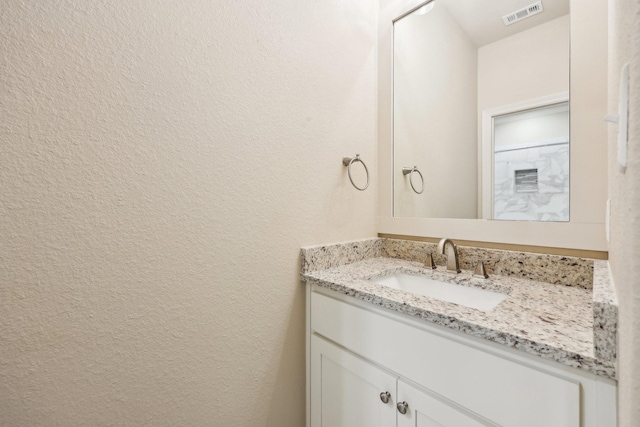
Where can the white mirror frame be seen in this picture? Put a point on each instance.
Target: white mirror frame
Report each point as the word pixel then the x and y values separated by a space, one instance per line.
pixel 588 148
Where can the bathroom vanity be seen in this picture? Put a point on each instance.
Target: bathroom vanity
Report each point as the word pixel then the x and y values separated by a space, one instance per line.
pixel 377 355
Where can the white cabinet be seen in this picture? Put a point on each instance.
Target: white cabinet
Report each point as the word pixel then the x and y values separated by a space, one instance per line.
pixel 357 351
pixel 426 410
pixel 351 392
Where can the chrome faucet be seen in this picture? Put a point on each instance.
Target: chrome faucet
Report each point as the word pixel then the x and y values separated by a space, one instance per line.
pixel 446 246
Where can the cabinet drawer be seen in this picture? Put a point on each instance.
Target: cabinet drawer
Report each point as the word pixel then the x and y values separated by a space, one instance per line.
pixel 498 388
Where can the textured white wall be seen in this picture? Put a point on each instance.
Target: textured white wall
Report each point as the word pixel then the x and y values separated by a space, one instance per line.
pixel 624 190
pixel 161 164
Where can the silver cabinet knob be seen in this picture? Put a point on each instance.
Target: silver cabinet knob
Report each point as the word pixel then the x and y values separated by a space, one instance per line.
pixel 385 396
pixel 403 407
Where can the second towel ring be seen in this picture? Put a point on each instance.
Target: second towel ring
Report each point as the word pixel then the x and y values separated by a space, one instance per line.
pixel 348 161
pixel 410 171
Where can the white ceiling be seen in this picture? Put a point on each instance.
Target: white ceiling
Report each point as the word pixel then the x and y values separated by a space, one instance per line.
pixel 482 19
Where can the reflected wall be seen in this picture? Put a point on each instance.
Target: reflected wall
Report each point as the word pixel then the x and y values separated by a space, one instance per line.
pixel 435 98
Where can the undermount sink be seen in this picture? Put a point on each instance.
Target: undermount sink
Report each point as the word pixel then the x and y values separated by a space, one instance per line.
pixel 480 299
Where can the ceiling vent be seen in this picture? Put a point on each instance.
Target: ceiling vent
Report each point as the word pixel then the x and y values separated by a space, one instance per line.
pixel 523 13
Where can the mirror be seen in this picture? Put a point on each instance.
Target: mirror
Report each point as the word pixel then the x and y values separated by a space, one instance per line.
pixel 481 110
pixel 588 172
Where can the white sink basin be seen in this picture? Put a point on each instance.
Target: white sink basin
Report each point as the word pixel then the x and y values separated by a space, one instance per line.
pixel 480 299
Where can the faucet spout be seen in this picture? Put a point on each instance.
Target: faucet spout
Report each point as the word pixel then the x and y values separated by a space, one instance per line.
pixel 447 247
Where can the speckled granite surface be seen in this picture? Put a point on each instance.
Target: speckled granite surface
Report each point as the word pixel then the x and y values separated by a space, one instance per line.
pixel 605 313
pixel 568 324
pixel 321 257
pixel 561 270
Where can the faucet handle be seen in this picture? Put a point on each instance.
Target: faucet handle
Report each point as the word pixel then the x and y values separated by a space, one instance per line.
pixel 481 267
pixel 428 262
pixel 480 270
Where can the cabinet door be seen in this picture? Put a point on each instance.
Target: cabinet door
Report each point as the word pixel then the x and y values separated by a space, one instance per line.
pixel 346 390
pixel 425 409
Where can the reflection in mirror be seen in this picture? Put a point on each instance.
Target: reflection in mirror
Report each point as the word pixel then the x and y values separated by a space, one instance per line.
pixel 531 164
pixel 454 60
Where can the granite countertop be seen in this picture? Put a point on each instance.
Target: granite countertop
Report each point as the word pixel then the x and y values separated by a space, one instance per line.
pixel 572 325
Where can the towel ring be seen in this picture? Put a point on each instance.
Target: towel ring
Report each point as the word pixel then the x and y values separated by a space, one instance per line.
pixel 348 161
pixel 410 171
